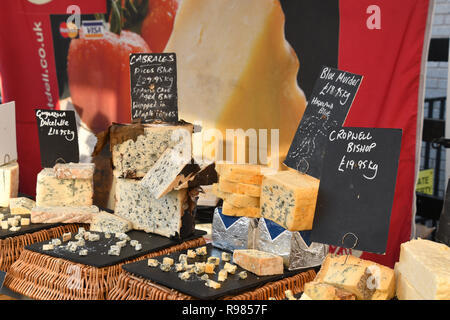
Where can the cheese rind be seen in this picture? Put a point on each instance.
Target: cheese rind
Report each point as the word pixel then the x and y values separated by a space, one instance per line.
pixel 74 170
pixel 258 262
pixel 9 182
pixel 251 190
pixel 230 210
pixel 107 222
pixel 21 205
pixel 289 199
pixel 53 192
pixel 235 199
pixel 81 214
pixel 322 291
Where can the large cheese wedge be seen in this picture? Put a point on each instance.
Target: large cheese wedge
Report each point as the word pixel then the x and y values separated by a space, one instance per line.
pixel 322 291
pixel 251 190
pixel 230 210
pixel 243 173
pixel 259 262
pixel 236 199
pixel 289 199
pixel 9 182
pixel 404 289
pixel 236 71
pixel 426 265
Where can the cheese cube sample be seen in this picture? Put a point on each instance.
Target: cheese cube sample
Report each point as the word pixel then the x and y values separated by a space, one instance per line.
pixel 229 210
pixel 56 214
pixel 168 261
pixel 242 173
pixel 404 289
pixel 322 291
pixel 66 236
pixel 107 222
pixel 209 267
pixel 230 268
pixel 236 199
pixel 74 170
pixel 25 221
pixel 5 225
pixel 259 262
pixel 21 205
pixel 13 222
pixel 14 228
pixel 152 262
pixel 53 192
pixel 251 190
pixel 212 284
pixel 223 274
pixel 9 182
pixel 133 159
pixel 289 199
pixel 201 251
pixel 161 216
pixel 47 247
pixel 426 266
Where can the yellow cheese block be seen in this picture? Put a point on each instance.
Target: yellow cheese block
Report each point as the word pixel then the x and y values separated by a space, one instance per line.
pixel 243 173
pixel 404 289
pixel 229 210
pixel 289 199
pixel 426 265
pixel 235 199
pixel 322 291
pixel 251 190
pixel 238 71
pixel 259 262
pixel 9 182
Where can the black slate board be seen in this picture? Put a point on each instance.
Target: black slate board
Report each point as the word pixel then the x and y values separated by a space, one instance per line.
pixel 98 250
pixel 196 287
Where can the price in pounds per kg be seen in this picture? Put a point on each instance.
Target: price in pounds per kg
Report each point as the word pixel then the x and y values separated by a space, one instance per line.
pixel 350 164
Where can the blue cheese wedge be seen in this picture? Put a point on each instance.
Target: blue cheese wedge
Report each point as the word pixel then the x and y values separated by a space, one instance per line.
pixel 107 222
pixel 21 205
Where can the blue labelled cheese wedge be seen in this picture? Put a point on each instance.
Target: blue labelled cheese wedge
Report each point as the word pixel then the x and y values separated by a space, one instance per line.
pixel 107 222
pixel 214 260
pixel 60 214
pixel 9 182
pixel 53 192
pixel 21 205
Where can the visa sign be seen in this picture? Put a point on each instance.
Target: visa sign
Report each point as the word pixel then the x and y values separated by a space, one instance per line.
pixel 93 29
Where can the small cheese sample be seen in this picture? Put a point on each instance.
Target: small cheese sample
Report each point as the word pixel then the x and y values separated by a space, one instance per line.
pixel 426 266
pixel 14 228
pixel 94 237
pixel 138 247
pixel 53 192
pixel 74 170
pixel 252 190
pixel 111 223
pixel 133 243
pixel 404 290
pixel 230 268
pixel 114 250
pixel 168 261
pixel 179 267
pixel 209 267
pixel 243 275
pixel 236 199
pixel 183 258
pixel 258 262
pixel 121 243
pixel 212 284
pixel 66 236
pixel 161 216
pixel 47 247
pixel 152 262
pixel 214 260
pixel 322 291
pixel 230 210
pixel 5 225
pixel 25 221
pixel 56 242
pixel 21 205
pixel 9 182
pixel 223 274
pixel 83 252
pixel 63 214
pixel 201 251
pixel 185 275
pixel 191 254
pixel 199 267
pixel 133 159
pixel 13 222
pixel 204 277
pixel 226 256
pixel 165 267
pixel 289 199
pixel 289 295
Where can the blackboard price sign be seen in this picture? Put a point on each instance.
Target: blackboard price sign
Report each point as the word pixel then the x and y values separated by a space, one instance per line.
pixel 58 137
pixel 154 87
pixel 357 188
pixel 327 109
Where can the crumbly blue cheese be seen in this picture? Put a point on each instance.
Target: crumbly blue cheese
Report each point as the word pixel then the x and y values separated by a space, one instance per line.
pixel 21 205
pixel 107 222
pixel 160 216
pixel 53 192
pixel 132 159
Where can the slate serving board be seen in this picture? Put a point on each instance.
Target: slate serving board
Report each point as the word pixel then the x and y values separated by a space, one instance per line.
pixel 98 250
pixel 196 287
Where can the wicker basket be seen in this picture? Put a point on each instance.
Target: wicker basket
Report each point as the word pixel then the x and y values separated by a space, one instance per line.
pixel 130 287
pixel 12 247
pixel 43 277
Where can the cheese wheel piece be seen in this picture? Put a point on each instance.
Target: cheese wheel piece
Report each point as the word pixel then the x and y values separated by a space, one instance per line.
pixel 9 182
pixel 230 210
pixel 251 190
pixel 258 262
pixel 289 199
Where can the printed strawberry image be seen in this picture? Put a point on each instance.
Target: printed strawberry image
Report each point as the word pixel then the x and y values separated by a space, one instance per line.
pixel 98 72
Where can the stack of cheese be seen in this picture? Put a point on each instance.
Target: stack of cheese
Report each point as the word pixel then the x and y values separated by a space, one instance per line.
pixel 9 182
pixel 351 278
pixel 64 194
pixel 423 272
pixel 240 188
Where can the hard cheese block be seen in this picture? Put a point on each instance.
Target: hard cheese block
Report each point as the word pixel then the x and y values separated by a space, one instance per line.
pixel 229 210
pixel 9 182
pixel 383 278
pixel 404 289
pixel 110 223
pixel 426 266
pixel 243 173
pixel 82 214
pixel 217 79
pixel 259 262
pixel 322 291
pixel 161 216
pixel 132 159
pixel 289 199
pixel 74 170
pixel 54 192
pixel 21 205
pixel 235 199
pixel 251 190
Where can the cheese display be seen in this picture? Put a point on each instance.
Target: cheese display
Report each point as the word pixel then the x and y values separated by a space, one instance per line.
pixel 9 182
pixel 161 216
pixel 54 192
pixel 259 262
pixel 424 266
pixel 230 210
pixel 134 158
pixel 21 205
pixel 74 170
pixel 80 214
pixel 289 199
pixel 236 199
pixel 107 222
pixel 218 91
